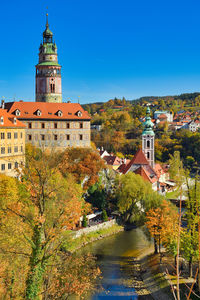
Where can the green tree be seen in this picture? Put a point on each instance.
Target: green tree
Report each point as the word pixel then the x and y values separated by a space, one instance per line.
pixel 134 196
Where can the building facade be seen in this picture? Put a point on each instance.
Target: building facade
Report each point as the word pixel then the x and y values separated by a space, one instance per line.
pixel 12 143
pixel 48 71
pixel 53 125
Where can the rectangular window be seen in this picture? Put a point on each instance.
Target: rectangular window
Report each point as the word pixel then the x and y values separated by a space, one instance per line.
pixel 43 125
pixel 55 137
pixel 29 125
pixel 9 135
pixel 3 167
pixel 21 148
pixel 15 135
pixel 15 149
pixel 2 135
pixel 21 135
pixel 42 137
pixel 81 125
pixel 16 165
pixel 29 137
pixel 55 125
pixel 9 150
pixel 68 137
pixel 9 166
pixel 3 150
pixel 68 125
pixel 81 137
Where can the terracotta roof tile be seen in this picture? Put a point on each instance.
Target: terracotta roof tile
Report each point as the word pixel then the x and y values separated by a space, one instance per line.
pixel 112 160
pixel 146 175
pixel 8 120
pixel 138 159
pixel 28 110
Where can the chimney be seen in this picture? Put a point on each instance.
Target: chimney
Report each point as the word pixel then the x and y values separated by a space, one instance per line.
pixel 2 104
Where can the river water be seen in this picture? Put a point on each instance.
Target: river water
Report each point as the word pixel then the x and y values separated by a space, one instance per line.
pixel 116 256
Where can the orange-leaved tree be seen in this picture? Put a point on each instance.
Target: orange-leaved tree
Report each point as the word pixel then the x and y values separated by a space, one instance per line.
pixel 38 212
pixel 162 223
pixel 84 163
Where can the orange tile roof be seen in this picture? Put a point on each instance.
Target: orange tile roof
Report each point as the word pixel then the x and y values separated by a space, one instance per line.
pixel 8 120
pixel 123 166
pixel 48 110
pixel 145 174
pixel 159 170
pixel 138 159
pixel 112 160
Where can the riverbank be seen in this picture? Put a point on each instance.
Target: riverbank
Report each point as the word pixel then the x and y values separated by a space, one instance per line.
pixel 74 244
pixel 153 277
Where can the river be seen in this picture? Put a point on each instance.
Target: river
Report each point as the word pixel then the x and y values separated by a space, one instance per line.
pixel 116 256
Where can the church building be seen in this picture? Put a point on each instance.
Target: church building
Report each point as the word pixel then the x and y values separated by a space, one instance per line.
pixel 143 163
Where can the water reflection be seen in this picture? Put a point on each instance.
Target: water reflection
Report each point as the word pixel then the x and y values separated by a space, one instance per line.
pixel 116 256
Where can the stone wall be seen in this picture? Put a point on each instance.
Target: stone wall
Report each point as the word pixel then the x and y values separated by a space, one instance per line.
pixel 94 228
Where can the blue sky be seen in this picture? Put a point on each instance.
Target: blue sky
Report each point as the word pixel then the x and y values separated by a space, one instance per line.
pixel 107 48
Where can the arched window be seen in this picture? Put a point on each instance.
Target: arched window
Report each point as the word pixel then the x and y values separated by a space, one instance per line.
pixel 148 144
pixel 52 87
pixel 148 155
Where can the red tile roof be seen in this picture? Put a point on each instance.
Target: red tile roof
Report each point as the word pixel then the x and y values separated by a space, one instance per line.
pixel 123 166
pixel 138 159
pixel 112 160
pixel 28 110
pixel 145 174
pixel 8 120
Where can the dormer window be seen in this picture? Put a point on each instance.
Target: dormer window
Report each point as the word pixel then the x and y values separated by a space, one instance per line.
pixel 79 113
pixel 59 113
pixel 15 120
pixel 2 122
pixel 17 112
pixel 38 113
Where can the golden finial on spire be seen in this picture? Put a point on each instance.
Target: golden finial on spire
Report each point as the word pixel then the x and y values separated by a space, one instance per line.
pixel 47 24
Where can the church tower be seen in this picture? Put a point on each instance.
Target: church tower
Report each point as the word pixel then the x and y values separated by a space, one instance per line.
pixel 48 71
pixel 148 139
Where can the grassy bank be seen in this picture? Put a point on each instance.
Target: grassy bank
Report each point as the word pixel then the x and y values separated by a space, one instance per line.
pixel 72 245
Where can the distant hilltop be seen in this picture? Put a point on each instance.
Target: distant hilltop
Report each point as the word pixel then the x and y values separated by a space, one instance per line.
pixel 169 102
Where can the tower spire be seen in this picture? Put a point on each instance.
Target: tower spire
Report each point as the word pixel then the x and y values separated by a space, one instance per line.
pixel 148 138
pixel 48 70
pixel 47 23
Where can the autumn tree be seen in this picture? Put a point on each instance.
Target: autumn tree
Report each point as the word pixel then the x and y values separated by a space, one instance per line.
pixel 162 223
pixel 47 205
pixel 70 275
pixel 83 163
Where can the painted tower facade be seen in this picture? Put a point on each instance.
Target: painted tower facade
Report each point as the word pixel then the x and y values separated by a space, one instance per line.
pixel 148 137
pixel 48 71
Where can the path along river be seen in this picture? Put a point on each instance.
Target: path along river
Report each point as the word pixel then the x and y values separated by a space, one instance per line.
pixel 116 256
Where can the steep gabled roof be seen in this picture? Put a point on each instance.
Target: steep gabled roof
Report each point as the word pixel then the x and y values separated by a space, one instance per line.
pixel 48 110
pixel 138 159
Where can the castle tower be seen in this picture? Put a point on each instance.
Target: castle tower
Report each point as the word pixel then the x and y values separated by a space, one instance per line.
pixel 148 139
pixel 48 71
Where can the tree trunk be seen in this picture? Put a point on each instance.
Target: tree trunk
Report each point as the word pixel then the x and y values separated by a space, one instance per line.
pixel 34 281
pixel 155 246
pixel 190 267
pixel 175 261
